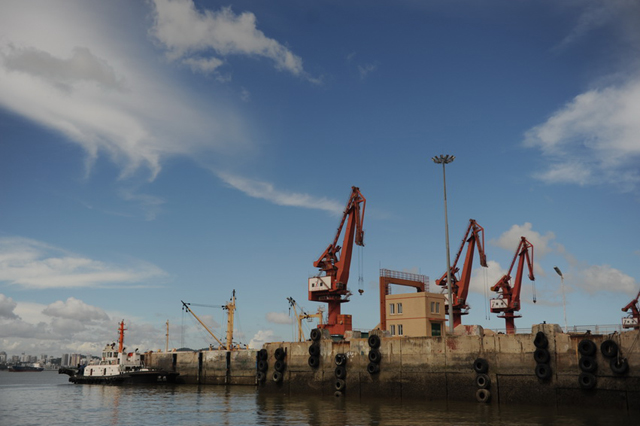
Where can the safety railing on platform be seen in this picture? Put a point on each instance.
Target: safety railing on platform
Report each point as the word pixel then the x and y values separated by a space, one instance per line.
pixel 388 273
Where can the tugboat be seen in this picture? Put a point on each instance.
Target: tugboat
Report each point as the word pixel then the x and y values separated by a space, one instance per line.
pixel 118 367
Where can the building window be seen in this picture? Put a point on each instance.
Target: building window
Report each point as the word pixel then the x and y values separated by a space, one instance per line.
pixel 399 310
pixel 435 307
pixel 392 308
pixel 436 329
pixel 393 330
pixel 399 329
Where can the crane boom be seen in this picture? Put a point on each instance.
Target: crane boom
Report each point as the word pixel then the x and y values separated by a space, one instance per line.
pixel 509 300
pixel 330 285
pixel 460 286
pixel 203 324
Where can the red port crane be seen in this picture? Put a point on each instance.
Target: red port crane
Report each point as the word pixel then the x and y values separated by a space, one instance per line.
pixel 509 300
pixel 330 285
pixel 460 286
pixel 633 320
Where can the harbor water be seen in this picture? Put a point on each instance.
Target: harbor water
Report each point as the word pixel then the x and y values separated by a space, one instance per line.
pixel 47 398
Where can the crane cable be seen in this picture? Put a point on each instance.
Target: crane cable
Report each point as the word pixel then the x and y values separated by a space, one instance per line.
pixel 360 269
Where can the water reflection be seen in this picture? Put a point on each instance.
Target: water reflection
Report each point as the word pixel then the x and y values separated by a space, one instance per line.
pixel 54 403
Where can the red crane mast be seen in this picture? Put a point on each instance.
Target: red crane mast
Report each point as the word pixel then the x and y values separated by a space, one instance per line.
pixel 509 300
pixel 460 286
pixel 330 285
pixel 633 320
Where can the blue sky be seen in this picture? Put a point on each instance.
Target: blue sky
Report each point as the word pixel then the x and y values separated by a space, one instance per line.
pixel 157 151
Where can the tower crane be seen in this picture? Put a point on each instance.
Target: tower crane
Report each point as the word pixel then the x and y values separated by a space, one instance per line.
pixel 303 315
pixel 460 286
pixel 330 285
pixel 508 301
pixel 633 319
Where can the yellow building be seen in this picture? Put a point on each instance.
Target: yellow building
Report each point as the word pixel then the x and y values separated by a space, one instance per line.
pixel 415 314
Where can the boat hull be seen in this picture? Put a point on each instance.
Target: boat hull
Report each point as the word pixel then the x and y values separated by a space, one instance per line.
pixel 130 378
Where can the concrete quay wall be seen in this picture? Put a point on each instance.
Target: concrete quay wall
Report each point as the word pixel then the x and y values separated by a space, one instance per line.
pixel 442 368
pixel 213 367
pixel 430 368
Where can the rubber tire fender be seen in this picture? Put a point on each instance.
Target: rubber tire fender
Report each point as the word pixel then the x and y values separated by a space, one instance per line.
pixel 483 395
pixel 263 365
pixel 279 366
pixel 609 348
pixel 375 356
pixel 314 362
pixel 261 376
pixel 373 368
pixel 543 371
pixel 279 354
pixel 587 380
pixel 588 364
pixel 337 394
pixel 341 359
pixel 541 356
pixel 481 366
pixel 340 372
pixel 277 376
pixel 340 384
pixel 586 347
pixel 483 381
pixel 619 366
pixel 316 334
pixel 374 341
pixel 541 341
pixel 314 350
pixel 263 355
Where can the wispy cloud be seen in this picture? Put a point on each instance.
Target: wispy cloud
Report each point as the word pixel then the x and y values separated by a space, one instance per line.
pixel 187 32
pixel 593 139
pixel 266 191
pixel 35 265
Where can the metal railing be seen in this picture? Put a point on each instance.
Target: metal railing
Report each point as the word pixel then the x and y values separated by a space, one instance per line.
pixel 388 273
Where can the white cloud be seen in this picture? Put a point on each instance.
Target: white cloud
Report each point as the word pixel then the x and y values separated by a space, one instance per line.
pixel 542 244
pixel 72 68
pixel 260 338
pixel 7 306
pixel 602 278
pixel 75 309
pixel 36 265
pixel 593 139
pixel 266 191
pixel 184 31
pixel 279 318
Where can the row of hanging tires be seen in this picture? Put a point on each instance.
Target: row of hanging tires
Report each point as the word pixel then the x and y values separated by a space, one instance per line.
pixel 588 364
pixel 279 366
pixel 483 381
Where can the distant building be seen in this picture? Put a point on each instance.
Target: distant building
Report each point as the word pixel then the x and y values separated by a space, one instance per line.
pixel 3 357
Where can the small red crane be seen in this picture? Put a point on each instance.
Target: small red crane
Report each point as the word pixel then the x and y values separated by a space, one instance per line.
pixel 460 287
pixel 509 300
pixel 633 320
pixel 330 286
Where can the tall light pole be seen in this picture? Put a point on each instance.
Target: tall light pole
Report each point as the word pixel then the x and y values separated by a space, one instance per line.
pixel 564 301
pixel 444 160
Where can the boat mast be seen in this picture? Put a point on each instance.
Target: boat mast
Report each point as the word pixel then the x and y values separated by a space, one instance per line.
pixel 230 307
pixel 166 348
pixel 121 339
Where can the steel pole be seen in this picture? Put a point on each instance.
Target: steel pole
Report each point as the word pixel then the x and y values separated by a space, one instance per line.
pixel 446 231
